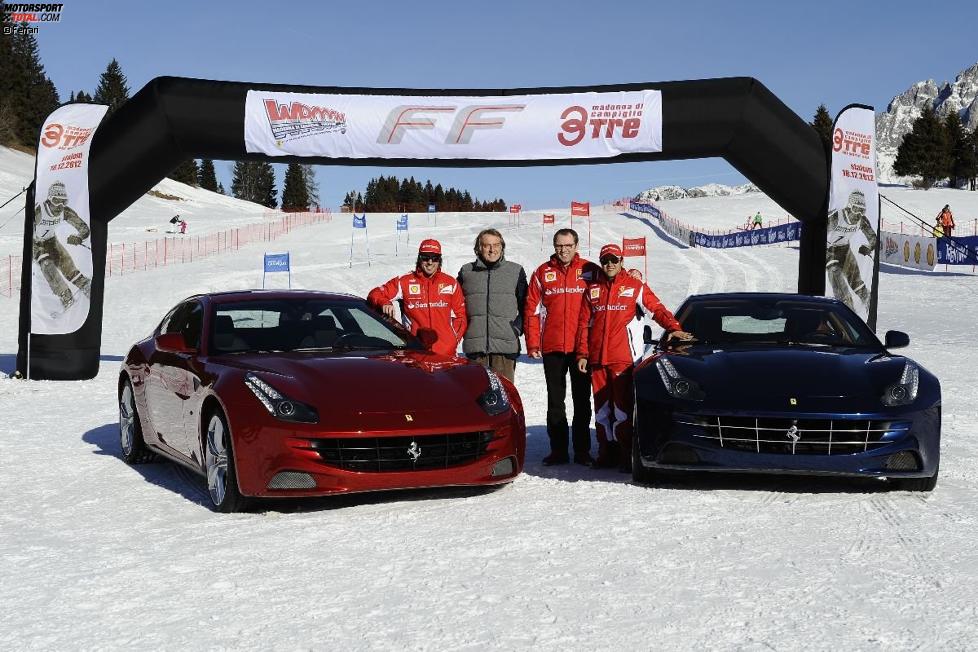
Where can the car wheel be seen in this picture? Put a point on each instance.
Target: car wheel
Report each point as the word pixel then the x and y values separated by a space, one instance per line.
pixel 640 474
pixel 222 478
pixel 134 449
pixel 918 484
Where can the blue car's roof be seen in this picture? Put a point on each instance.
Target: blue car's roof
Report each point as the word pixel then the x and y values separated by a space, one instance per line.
pixel 759 296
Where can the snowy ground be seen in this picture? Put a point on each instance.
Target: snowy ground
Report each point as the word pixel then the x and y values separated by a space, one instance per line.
pixel 96 554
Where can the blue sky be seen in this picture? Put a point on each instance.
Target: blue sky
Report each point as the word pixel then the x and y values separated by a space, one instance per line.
pixel 836 54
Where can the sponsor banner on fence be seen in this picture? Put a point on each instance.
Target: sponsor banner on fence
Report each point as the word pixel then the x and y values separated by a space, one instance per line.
pixel 61 276
pixel 908 250
pixel 511 127
pixel 769 235
pixel 853 219
pixel 962 251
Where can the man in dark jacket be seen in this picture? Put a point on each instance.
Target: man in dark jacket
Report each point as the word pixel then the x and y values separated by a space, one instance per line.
pixel 495 293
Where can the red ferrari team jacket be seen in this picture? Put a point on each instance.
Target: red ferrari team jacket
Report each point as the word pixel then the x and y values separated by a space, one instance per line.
pixel 553 304
pixel 609 306
pixel 436 303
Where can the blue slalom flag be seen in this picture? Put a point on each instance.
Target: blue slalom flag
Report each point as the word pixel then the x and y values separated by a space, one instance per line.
pixel 402 223
pixel 359 221
pixel 431 208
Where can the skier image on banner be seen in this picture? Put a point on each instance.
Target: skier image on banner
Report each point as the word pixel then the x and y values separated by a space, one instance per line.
pixel 840 261
pixel 52 258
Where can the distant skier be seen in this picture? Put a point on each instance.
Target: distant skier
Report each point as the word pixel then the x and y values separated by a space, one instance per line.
pixel 758 222
pixel 52 258
pixel 946 219
pixel 840 261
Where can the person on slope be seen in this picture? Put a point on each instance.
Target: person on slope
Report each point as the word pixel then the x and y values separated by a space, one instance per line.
pixel 946 220
pixel 611 302
pixel 553 305
pixel 428 299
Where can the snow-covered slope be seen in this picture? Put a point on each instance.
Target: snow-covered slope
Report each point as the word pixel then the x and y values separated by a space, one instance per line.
pixel 96 554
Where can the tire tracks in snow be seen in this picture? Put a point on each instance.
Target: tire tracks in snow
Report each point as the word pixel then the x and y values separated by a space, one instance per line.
pixel 905 534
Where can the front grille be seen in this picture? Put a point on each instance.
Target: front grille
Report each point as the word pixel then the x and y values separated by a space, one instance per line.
pixel 402 453
pixel 785 436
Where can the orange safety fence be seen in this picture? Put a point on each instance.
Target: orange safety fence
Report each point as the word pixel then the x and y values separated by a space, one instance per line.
pixel 130 257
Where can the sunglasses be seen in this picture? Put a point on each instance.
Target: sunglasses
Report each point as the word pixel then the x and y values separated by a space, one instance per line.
pixel 430 258
pixel 610 260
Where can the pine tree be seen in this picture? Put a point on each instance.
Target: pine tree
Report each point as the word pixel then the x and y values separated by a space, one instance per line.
pixel 924 151
pixel 206 176
pixel 969 159
pixel 220 188
pixel 823 126
pixel 112 87
pixel 957 145
pixel 295 195
pixel 312 185
pixel 254 181
pixel 27 96
pixel 186 173
pixel 83 98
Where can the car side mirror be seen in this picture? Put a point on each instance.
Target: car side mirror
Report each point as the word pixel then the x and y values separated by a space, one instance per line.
pixel 896 340
pixel 428 337
pixel 173 343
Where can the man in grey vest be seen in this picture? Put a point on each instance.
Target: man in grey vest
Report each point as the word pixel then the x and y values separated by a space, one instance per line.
pixel 495 294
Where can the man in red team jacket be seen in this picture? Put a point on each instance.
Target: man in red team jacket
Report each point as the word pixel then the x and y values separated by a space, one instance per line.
pixel 428 298
pixel 610 303
pixel 553 306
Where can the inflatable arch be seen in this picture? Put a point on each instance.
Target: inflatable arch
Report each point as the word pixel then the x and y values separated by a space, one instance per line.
pixel 172 119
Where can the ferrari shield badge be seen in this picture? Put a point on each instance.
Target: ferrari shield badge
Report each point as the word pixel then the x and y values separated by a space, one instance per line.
pixel 793 401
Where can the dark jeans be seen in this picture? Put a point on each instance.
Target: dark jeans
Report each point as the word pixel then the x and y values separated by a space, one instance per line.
pixel 502 364
pixel 555 369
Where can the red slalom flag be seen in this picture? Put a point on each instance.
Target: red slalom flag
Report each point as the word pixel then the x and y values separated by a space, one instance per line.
pixel 633 246
pixel 548 219
pixel 581 208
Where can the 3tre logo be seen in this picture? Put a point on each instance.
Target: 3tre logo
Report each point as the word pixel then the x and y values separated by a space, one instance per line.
pixel 604 121
pixel 64 136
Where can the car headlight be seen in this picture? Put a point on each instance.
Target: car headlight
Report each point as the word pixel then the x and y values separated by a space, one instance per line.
pixel 904 391
pixel 676 384
pixel 278 405
pixel 494 400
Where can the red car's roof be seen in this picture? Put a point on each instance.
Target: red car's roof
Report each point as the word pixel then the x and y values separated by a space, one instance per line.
pixel 259 295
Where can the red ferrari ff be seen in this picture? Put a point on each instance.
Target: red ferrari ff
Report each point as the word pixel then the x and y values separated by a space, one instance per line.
pixel 301 393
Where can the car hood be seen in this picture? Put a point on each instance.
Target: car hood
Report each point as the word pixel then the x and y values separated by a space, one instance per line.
pixel 789 371
pixel 360 384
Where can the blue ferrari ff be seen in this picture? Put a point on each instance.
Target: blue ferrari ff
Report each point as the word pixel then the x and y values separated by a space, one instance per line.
pixel 786 384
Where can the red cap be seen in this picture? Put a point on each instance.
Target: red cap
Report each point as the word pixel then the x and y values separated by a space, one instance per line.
pixel 610 250
pixel 430 247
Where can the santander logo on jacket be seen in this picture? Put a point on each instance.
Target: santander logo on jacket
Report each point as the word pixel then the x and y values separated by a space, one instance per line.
pixel 608 309
pixel 553 304
pixel 436 303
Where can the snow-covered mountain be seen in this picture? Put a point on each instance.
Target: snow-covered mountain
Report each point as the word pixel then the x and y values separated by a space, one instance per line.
pixel 961 96
pixel 664 193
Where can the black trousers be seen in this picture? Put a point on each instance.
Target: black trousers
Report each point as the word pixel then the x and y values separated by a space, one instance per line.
pixel 555 369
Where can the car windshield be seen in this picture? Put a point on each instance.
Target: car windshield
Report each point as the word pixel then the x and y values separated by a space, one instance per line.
pixel 775 322
pixel 303 324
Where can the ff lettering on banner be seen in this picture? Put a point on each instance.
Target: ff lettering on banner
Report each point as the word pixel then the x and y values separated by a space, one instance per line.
pixel 511 127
